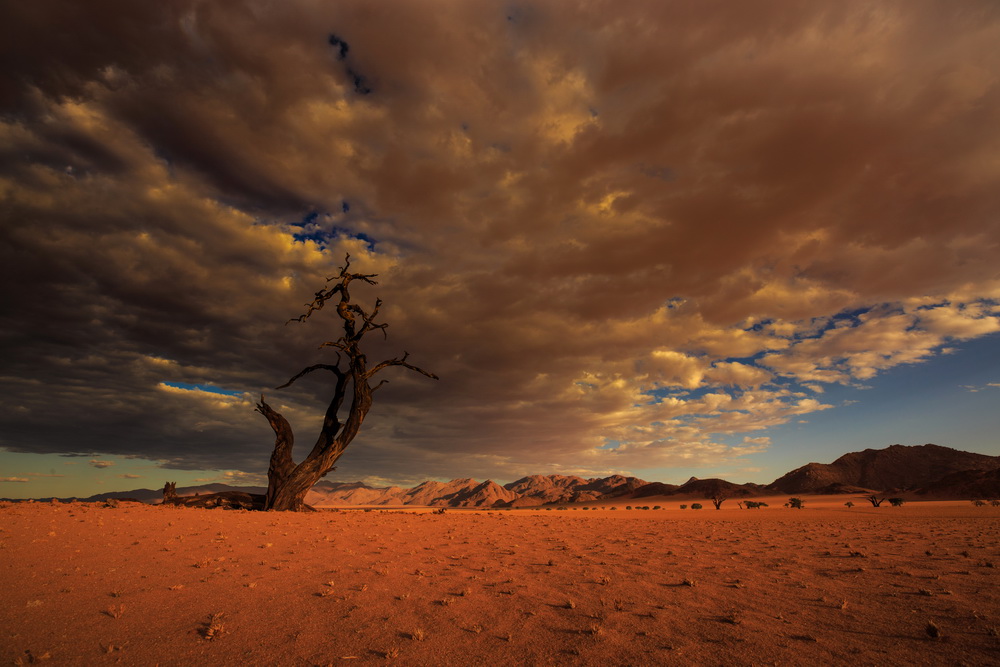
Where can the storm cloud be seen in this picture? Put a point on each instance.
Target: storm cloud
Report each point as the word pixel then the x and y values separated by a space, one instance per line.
pixel 617 232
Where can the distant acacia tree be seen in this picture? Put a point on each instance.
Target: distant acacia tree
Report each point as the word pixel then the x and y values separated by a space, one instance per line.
pixel 875 500
pixel 797 503
pixel 896 502
pixel 848 504
pixel 718 499
pixel 288 483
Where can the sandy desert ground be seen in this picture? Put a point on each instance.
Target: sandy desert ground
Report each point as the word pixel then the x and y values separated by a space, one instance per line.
pixel 84 584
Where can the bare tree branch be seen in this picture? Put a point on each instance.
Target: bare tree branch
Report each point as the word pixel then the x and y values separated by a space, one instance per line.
pixel 400 362
pixel 324 295
pixel 315 367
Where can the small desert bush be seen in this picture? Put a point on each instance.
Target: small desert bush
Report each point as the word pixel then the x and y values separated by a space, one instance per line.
pixel 848 504
pixel 656 507
pixel 979 503
pixel 696 506
pixel 214 628
pixel 896 502
pixel 684 507
pixel 628 507
pixel 796 503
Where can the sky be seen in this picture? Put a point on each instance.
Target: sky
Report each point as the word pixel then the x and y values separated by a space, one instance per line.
pixel 662 239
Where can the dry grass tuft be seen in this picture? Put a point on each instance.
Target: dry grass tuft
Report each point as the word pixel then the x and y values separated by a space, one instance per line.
pixel 213 628
pixel 30 658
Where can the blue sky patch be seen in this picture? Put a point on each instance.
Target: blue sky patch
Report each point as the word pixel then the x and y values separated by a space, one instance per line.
pixel 203 387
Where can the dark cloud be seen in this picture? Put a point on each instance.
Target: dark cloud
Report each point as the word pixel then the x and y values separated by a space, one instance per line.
pixel 180 178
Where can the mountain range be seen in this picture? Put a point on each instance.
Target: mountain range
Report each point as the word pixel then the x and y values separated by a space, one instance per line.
pixel 928 471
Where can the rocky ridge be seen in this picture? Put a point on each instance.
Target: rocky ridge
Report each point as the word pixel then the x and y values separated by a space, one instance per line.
pixel 924 471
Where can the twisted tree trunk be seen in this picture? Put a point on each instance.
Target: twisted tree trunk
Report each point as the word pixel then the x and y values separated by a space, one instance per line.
pixel 288 483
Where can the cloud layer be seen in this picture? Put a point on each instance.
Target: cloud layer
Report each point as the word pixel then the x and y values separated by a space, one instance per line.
pixel 622 234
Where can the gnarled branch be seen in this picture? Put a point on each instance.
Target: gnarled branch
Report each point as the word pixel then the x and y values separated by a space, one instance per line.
pixel 315 367
pixel 281 465
pixel 344 307
pixel 399 362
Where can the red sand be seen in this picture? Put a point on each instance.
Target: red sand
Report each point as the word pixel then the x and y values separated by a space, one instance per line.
pixel 88 585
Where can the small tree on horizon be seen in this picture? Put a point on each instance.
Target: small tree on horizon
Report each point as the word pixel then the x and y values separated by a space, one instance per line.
pixel 288 483
pixel 896 502
pixel 796 503
pixel 717 500
pixel 848 504
pixel 875 500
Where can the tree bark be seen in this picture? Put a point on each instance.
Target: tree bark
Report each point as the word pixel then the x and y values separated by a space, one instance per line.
pixel 281 458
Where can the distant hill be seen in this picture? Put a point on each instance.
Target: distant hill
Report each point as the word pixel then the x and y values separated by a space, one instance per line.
pixel 548 489
pixel 894 468
pixel 927 470
pixel 971 484
pixel 655 489
pixel 700 488
pixel 525 492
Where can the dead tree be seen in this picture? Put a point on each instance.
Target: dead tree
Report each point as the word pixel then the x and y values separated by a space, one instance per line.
pixel 875 500
pixel 224 499
pixel 288 483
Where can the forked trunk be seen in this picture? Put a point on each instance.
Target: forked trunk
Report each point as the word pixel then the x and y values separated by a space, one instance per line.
pixel 291 494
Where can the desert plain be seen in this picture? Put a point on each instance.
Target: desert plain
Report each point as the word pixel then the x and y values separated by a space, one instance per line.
pixel 88 584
